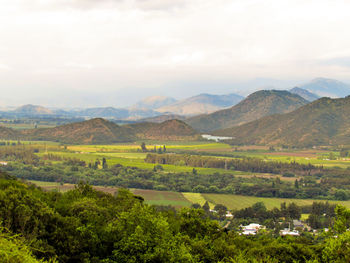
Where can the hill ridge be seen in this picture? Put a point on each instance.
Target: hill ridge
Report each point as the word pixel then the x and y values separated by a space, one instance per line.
pixel 255 106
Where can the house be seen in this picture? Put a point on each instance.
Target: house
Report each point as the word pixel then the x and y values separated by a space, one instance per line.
pixel 251 229
pixel 229 215
pixel 298 223
pixel 288 232
pixel 3 163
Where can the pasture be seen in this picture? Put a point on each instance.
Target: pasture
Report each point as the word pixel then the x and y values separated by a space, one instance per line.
pixel 178 200
pixel 236 202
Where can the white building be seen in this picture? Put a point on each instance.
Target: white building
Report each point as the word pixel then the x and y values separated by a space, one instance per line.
pixel 288 232
pixel 251 229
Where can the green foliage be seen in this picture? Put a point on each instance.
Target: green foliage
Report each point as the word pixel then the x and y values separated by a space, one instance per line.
pixel 13 250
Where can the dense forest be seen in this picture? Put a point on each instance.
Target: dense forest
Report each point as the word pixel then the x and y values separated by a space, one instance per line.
pixel 84 225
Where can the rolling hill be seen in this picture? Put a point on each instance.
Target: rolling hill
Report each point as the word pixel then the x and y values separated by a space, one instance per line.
pixel 103 112
pixel 167 130
pixel 323 122
pixel 327 88
pixel 259 104
pixel 203 103
pixel 304 94
pixel 30 109
pixel 101 131
pixel 7 133
pixel 94 131
pixel 153 102
pixel 162 118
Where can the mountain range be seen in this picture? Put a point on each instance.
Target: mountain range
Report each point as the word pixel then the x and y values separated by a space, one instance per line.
pixel 160 105
pixel 202 103
pixel 255 106
pixel 153 102
pixel 325 121
pixel 324 87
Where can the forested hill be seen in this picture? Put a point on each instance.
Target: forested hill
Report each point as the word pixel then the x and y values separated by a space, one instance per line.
pixel 100 131
pixel 322 122
pixel 92 131
pixel 167 130
pixel 259 104
pixel 85 225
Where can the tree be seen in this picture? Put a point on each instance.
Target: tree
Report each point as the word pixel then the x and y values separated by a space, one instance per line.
pixel 143 147
pixel 206 206
pixel 194 171
pixel 296 184
pixel 104 163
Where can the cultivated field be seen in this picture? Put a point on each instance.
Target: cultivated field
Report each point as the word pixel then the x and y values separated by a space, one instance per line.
pixel 178 200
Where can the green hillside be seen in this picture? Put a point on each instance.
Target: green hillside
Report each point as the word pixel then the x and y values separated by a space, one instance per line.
pixel 259 104
pixel 101 131
pixel 322 122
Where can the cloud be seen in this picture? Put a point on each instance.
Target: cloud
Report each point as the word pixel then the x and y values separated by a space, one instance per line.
pixel 148 46
pixel 338 61
pixel 5 67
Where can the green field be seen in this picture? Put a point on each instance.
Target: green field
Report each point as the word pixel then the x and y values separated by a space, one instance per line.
pixel 235 202
pixel 232 202
pixel 163 198
pixel 136 160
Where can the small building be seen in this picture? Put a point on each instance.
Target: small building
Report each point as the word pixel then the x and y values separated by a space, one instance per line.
pixel 229 215
pixel 288 232
pixel 3 163
pixel 298 223
pixel 251 229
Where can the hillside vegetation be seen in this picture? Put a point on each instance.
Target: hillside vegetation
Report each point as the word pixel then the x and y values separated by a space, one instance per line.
pixel 322 122
pixel 259 104
pixel 101 131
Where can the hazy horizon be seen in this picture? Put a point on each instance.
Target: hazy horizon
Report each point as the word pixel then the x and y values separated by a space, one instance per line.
pixel 87 53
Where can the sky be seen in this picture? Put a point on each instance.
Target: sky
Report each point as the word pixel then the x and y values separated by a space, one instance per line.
pixel 83 53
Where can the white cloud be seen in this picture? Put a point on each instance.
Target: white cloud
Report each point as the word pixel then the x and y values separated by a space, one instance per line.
pixel 114 45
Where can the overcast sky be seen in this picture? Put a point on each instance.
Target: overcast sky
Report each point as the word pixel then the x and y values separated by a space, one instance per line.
pixel 114 52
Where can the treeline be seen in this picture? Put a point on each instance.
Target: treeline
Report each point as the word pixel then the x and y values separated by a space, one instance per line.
pixel 73 171
pixel 84 225
pixel 321 215
pixel 246 164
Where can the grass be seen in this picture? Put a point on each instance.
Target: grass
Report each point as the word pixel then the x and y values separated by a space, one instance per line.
pixel 236 202
pixel 197 198
pixel 304 217
pixel 233 202
pixel 153 197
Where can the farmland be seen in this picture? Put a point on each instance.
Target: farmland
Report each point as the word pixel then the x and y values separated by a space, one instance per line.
pixel 176 199
pixel 131 155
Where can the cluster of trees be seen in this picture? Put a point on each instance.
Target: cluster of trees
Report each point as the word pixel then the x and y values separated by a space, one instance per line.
pixel 73 170
pixel 316 183
pixel 84 225
pixel 241 164
pixel 159 149
pixel 19 153
pixel 321 215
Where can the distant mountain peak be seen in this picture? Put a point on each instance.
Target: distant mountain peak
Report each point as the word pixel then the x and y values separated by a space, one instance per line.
pixel 153 102
pixel 201 103
pixel 258 104
pixel 33 109
pixel 325 87
pixel 304 93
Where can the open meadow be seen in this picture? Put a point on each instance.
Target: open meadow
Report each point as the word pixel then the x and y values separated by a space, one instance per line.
pixel 178 200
